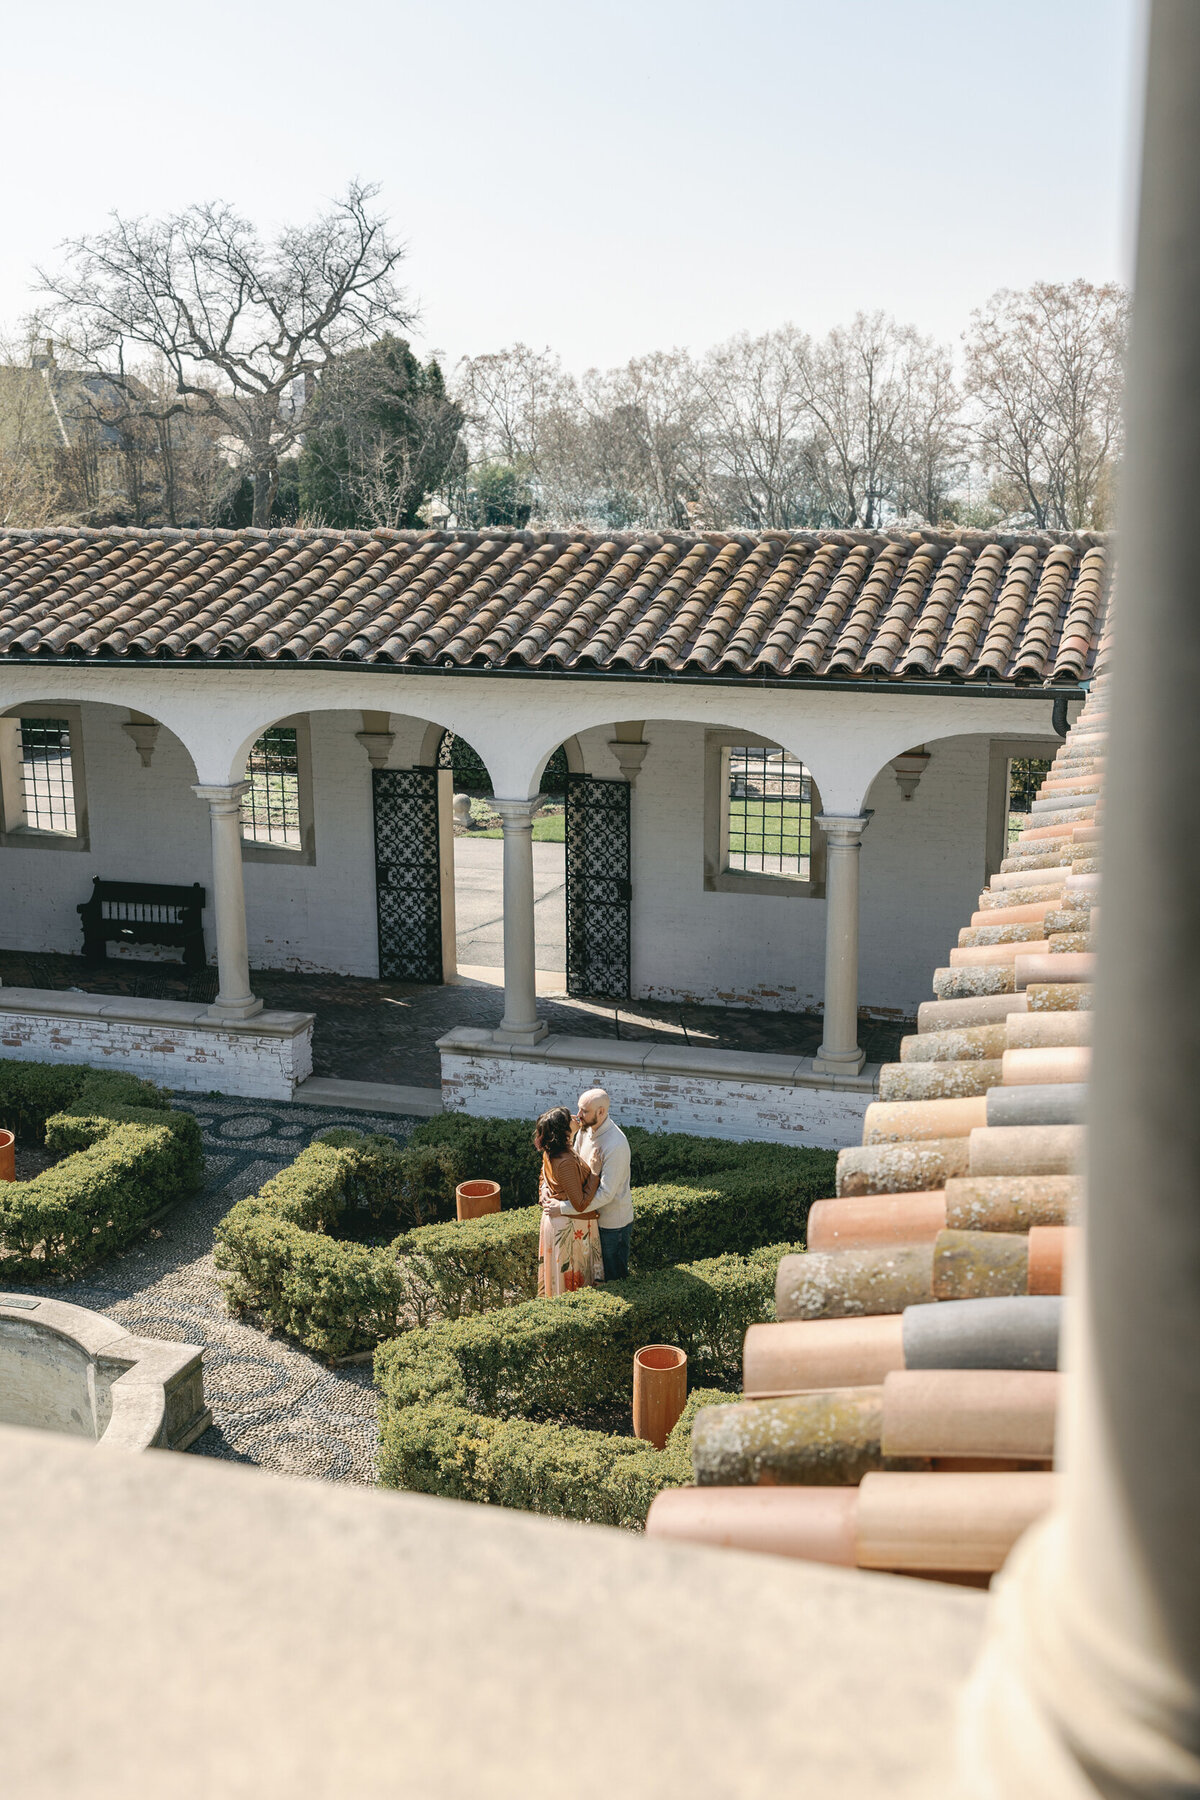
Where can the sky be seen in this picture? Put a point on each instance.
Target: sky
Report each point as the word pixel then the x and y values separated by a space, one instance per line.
pixel 608 178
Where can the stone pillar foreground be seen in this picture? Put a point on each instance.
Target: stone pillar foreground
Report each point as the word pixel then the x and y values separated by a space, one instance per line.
pixel 234 999
pixel 520 1024
pixel 1090 1684
pixel 839 1053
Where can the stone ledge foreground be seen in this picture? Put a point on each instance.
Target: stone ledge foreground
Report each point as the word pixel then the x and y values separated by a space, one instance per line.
pixel 275 1638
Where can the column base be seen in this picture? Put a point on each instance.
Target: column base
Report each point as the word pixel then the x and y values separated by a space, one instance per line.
pixel 521 1034
pixel 221 1012
pixel 839 1062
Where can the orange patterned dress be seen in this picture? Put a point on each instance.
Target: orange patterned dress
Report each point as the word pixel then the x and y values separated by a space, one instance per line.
pixel 569 1255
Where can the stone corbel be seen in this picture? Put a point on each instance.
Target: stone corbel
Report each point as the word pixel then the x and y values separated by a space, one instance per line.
pixel 909 769
pixel 378 746
pixel 143 734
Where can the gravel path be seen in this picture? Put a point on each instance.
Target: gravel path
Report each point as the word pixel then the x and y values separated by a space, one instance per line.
pixel 274 1405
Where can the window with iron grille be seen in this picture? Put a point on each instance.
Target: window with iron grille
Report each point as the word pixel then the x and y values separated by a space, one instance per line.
pixel 271 802
pixel 768 800
pixel 1025 777
pixel 47 779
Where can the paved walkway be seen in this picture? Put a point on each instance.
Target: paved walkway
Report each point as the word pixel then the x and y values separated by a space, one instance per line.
pixel 274 1405
pixel 386 1030
pixel 479 902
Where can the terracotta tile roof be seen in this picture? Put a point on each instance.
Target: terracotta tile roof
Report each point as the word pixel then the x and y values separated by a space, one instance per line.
pixel 800 606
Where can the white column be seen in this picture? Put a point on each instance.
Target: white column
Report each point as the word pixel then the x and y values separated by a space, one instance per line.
pixel 520 1024
pixel 1090 1684
pixel 839 1053
pixel 234 999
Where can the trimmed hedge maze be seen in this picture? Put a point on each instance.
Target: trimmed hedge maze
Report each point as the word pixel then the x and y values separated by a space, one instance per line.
pixel 126 1154
pixel 488 1393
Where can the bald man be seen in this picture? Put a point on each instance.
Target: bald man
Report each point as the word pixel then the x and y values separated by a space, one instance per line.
pixel 604 1146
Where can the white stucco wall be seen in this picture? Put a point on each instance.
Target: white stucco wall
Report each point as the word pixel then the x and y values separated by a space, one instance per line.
pixel 922 866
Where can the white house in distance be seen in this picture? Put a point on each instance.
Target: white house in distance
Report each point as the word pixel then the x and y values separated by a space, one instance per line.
pixel 262 713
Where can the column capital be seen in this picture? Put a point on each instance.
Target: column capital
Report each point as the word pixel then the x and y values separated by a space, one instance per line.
pixel 517 815
pixel 844 828
pixel 221 796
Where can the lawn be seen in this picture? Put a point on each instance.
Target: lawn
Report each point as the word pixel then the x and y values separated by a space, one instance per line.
pixel 771 827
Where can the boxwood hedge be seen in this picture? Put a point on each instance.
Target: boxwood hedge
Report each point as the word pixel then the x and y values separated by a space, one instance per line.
pixel 294 1252
pixel 487 1408
pixel 126 1154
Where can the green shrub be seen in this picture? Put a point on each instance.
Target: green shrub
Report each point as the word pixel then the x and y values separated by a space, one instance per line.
pixel 31 1092
pixel 117 1172
pixel 564 1471
pixel 339 1297
pixel 539 1358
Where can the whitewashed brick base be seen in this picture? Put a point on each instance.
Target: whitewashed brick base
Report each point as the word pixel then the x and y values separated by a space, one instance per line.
pixel 264 1058
pixel 737 1095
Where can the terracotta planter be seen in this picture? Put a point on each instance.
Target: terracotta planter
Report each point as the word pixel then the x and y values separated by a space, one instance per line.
pixel 473 1199
pixel 1049 1247
pixel 659 1392
pixel 843 1283
pixel 875 1220
pixel 1047 1065
pixel 1047 1031
pixel 1018 1333
pixel 1025 1150
pixel 814 1524
pixel 966 1014
pixel 978 1265
pixel 946 1522
pixel 826 1439
pixel 919 1121
pixel 8 1156
pixel 1010 1202
pixel 969 1078
pixel 804 1355
pixel 1007 1414
pixel 901 1168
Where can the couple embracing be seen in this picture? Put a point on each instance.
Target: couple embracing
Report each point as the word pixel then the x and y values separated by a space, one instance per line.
pixel 587 1208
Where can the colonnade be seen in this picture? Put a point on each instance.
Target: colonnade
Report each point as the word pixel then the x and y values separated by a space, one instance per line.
pixel 839 1053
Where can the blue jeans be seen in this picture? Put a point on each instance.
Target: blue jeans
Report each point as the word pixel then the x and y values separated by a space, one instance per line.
pixel 614 1248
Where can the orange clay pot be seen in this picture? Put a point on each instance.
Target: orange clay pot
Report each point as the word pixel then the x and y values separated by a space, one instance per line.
pixel 1001 1414
pixel 659 1392
pixel 8 1156
pixel 862 1224
pixel 1049 1247
pixel 946 1521
pixel 799 1356
pixel 815 1524
pixel 473 1199
pixel 1051 1063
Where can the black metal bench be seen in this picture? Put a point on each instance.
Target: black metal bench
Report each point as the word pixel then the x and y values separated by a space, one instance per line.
pixel 143 912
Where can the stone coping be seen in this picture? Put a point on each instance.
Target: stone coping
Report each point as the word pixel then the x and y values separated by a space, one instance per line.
pixel 277 1638
pixel 174 1014
pixel 660 1059
pixel 152 1370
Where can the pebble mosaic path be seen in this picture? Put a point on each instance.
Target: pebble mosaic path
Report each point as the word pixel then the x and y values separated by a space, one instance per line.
pixel 274 1405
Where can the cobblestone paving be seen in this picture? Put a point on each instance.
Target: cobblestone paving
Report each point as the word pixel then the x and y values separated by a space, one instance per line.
pixel 274 1405
pixel 386 1030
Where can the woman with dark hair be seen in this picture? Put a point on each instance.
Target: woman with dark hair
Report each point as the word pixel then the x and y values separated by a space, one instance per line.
pixel 569 1254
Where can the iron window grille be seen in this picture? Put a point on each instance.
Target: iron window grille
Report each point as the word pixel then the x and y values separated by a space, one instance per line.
pixel 768 801
pixel 47 779
pixel 1025 777
pixel 271 802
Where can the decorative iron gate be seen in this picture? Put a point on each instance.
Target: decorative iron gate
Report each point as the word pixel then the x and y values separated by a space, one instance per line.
pixel 599 889
pixel 408 892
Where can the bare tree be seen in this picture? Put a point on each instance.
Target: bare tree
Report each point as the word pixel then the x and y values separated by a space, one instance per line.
pixel 237 322
pixel 758 427
pixel 1044 370
pixel 30 443
pixel 507 397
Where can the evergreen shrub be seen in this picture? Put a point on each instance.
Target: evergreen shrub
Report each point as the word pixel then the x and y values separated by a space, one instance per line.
pixel 126 1154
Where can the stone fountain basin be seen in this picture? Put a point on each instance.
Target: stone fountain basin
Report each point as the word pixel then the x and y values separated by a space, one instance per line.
pixel 64 1368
